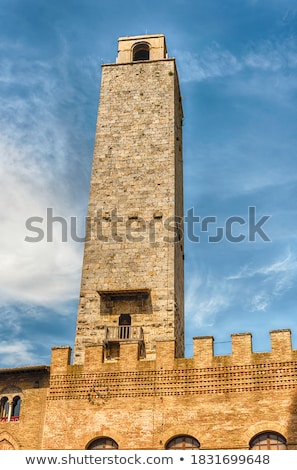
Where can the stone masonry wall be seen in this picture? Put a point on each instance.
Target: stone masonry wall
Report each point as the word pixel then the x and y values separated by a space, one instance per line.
pixel 136 192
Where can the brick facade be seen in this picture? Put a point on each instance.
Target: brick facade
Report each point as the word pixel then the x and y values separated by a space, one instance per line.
pixel 31 384
pixel 223 401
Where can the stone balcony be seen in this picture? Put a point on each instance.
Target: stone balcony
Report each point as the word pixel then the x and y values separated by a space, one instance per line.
pixel 123 333
pixel 117 335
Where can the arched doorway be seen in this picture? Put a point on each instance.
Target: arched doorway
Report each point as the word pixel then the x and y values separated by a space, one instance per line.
pixel 124 326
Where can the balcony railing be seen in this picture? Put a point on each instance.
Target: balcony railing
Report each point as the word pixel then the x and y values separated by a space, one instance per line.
pixel 12 418
pixel 15 418
pixel 124 333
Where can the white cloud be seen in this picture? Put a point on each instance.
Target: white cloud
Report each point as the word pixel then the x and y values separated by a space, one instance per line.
pixel 216 61
pixel 260 302
pixel 270 281
pixel 267 57
pixel 16 353
pixel 212 62
pixel 40 167
pixel 42 271
pixel 205 298
pixel 284 266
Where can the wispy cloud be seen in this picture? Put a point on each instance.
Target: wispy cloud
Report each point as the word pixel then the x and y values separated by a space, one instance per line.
pixel 269 282
pixel 215 61
pixel 205 298
pixel 286 265
pixel 42 164
pixel 14 353
pixel 212 62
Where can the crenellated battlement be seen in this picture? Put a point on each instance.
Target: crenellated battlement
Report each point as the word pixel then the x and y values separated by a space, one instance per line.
pixel 203 374
pixel 203 355
pixel 242 350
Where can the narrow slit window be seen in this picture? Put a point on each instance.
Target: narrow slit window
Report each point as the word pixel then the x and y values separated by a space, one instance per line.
pixel 16 406
pixel 4 409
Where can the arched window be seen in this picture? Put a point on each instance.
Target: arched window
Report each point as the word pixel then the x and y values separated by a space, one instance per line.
pixel 269 440
pixel 141 51
pixel 4 409
pixel 16 405
pixel 182 442
pixel 103 443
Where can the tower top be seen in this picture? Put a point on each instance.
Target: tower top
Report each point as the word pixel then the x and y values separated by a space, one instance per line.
pixel 138 48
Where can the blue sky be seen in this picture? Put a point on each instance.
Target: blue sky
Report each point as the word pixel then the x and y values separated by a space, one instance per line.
pixel 237 63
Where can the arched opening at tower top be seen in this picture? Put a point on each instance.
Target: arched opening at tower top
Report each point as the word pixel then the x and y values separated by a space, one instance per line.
pixel 141 51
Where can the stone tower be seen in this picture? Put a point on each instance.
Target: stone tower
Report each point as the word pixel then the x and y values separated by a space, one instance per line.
pixel 132 286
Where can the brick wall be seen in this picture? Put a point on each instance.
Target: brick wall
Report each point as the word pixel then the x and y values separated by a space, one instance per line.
pixel 31 384
pixel 223 401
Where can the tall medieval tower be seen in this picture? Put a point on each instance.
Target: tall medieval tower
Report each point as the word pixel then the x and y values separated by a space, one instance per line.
pixel 132 287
